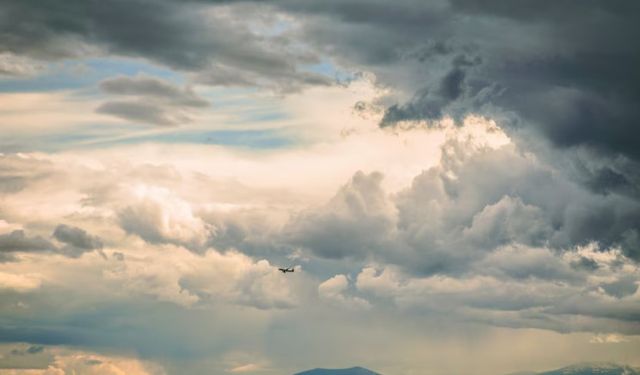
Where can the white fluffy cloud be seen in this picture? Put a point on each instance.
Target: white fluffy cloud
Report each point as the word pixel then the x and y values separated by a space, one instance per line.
pixel 158 215
pixel 517 287
pixel 334 291
pixel 488 236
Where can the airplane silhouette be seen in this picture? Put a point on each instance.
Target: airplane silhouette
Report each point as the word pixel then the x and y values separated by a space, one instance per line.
pixel 285 270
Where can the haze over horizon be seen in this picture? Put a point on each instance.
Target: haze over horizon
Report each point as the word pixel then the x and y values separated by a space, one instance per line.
pixel 456 184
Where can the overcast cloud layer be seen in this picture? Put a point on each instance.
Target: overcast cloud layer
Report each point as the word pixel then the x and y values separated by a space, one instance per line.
pixel 451 180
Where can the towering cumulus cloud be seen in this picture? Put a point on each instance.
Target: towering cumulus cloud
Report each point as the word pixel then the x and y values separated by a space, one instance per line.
pixel 454 183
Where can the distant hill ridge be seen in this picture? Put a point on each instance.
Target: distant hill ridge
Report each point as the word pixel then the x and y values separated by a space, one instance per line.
pixel 346 371
pixel 603 368
pixel 598 368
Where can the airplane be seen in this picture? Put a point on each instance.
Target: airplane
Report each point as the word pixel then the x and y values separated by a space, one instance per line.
pixel 285 270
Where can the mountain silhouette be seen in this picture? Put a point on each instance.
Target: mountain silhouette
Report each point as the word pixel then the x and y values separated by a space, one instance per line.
pixel 594 369
pixel 576 369
pixel 346 371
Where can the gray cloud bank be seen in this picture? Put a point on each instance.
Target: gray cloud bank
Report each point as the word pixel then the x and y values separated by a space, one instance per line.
pixel 489 236
pixel 154 101
pixel 567 69
pixel 153 88
pixel 543 233
pixel 475 201
pixel 561 71
pixel 187 36
pixel 75 241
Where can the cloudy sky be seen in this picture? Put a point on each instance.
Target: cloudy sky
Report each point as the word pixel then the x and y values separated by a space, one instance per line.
pixel 455 182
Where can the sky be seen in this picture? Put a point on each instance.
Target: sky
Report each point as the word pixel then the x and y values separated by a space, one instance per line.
pixel 456 184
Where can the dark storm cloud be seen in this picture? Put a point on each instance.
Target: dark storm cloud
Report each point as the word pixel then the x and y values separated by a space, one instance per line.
pixel 567 70
pixel 452 95
pixel 143 28
pixel 188 36
pixel 580 87
pixel 561 72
